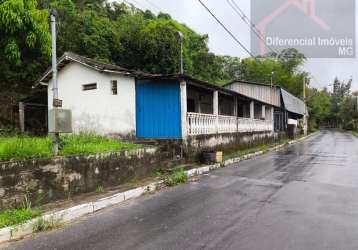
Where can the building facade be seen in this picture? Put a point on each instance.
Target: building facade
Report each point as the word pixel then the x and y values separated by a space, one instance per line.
pixel 108 99
pixel 102 100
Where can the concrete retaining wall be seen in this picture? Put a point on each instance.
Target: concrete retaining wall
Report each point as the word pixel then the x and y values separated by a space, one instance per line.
pixel 47 180
pixel 224 142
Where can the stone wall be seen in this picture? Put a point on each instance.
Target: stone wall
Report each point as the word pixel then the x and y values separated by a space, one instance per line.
pixel 52 179
pixel 62 177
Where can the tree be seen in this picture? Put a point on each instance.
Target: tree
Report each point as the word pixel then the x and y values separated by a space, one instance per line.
pixel 24 39
pixel 319 105
pixel 338 108
pixel 24 50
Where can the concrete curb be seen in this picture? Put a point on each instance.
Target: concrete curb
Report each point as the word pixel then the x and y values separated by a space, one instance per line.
pixel 70 214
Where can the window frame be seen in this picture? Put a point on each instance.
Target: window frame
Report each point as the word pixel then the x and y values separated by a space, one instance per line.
pixel 89 86
pixel 114 87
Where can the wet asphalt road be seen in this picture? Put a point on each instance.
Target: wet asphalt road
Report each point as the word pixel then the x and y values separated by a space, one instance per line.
pixel 304 197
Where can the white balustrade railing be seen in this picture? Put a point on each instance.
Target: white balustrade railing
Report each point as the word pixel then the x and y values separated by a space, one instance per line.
pixel 205 124
pixel 227 124
pixel 201 124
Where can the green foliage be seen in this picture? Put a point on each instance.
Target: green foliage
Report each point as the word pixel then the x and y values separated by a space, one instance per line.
pixel 177 177
pixel 335 109
pixel 16 148
pixel 24 37
pixel 17 216
pixel 319 103
pixel 99 189
pixel 19 148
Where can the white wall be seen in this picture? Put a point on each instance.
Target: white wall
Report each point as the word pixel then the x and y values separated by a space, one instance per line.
pixel 96 110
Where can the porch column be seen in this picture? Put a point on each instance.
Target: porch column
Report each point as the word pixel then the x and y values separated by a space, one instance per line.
pixel 22 116
pixel 272 118
pixel 183 105
pixel 216 109
pixel 252 109
pixel 235 106
pixel 263 112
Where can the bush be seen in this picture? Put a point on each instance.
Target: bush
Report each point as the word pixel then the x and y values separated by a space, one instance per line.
pixel 351 125
pixel 179 176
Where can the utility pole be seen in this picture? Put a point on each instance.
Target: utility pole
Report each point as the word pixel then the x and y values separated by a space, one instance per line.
pixel 305 114
pixel 180 38
pixel 53 14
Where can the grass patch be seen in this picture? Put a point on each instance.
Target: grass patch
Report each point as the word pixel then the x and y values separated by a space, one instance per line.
pixel 25 147
pixel 90 143
pixel 355 133
pixel 177 177
pixel 12 217
pixel 18 148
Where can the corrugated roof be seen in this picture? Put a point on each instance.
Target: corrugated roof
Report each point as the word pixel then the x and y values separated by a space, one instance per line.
pixel 292 103
pixel 88 62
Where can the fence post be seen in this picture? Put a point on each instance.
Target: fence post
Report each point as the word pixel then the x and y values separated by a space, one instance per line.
pixel 22 116
pixel 236 111
pixel 216 109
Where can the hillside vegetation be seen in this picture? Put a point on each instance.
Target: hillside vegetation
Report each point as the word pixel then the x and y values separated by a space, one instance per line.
pixel 124 35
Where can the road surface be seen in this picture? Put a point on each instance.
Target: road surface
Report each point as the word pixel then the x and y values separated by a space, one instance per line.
pixel 304 197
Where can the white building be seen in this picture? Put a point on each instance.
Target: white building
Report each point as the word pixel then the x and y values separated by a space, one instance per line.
pixel 101 96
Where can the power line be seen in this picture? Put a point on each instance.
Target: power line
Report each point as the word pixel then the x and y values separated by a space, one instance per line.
pixel 317 82
pixel 252 26
pixel 226 29
pixel 154 5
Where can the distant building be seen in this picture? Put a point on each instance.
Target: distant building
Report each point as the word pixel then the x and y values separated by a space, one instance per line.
pixel 288 109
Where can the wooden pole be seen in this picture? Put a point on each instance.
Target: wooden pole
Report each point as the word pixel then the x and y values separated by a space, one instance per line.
pixel 22 116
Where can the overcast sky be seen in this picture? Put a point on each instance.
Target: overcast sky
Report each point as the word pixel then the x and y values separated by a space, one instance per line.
pixel 195 16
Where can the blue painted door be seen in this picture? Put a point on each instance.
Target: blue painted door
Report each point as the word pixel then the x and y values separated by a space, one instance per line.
pixel 158 109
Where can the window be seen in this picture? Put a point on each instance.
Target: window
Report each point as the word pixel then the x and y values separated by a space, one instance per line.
pixel 90 86
pixel 114 87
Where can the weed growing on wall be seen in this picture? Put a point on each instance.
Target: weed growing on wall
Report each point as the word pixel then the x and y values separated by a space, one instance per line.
pixel 42 225
pixel 99 190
